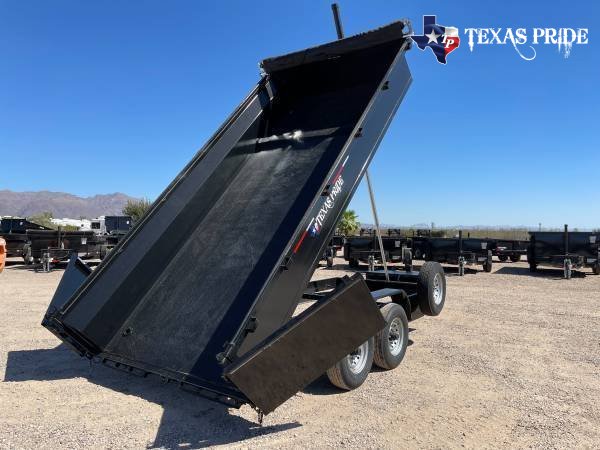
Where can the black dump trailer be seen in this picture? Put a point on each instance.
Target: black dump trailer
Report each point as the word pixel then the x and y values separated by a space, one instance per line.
pixel 365 249
pixel 566 249
pixel 14 232
pixel 118 224
pixel 510 249
pixel 263 196
pixel 459 251
pixel 111 229
pixel 47 246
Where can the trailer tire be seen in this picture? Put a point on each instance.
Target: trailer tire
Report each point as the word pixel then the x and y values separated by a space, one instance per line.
pixel 392 341
pixel 515 258
pixel 352 370
pixel 431 288
pixel 503 258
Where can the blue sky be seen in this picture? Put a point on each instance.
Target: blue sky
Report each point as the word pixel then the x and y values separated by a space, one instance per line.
pixel 99 97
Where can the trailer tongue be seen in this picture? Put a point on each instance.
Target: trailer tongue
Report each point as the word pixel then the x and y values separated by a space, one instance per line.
pixel 203 289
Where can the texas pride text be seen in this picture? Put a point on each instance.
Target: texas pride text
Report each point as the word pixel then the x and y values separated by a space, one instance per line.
pixel 564 38
pixel 327 206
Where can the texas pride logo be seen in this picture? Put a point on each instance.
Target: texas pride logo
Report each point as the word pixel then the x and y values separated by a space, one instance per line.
pixel 440 39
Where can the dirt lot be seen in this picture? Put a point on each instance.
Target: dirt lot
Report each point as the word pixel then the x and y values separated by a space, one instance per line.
pixel 513 361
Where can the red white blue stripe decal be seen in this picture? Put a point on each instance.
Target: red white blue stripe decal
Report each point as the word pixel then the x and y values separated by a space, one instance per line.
pixel 303 236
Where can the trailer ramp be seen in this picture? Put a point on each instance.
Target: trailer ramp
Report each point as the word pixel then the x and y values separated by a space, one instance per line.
pixel 216 268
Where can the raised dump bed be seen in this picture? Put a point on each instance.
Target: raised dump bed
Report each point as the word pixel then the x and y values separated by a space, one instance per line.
pixel 567 249
pixel 203 289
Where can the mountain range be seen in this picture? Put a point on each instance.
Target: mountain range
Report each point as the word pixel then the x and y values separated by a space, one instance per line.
pixel 61 204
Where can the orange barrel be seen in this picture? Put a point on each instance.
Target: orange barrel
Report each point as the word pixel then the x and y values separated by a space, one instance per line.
pixel 2 254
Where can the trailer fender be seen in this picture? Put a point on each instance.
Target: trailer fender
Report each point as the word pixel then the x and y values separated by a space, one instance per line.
pixel 307 346
pixel 403 300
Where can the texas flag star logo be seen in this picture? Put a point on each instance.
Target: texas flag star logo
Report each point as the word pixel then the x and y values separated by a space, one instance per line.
pixel 440 39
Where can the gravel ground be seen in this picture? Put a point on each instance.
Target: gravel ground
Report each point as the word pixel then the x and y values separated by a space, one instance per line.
pixel 513 361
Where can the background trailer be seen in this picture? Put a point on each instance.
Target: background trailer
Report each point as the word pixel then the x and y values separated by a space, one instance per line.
pixel 459 251
pixel 568 249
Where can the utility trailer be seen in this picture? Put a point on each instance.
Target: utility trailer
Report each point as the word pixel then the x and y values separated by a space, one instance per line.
pixel 111 225
pixel 13 230
pixel 458 251
pixel 510 249
pixel 263 196
pixel 57 245
pixel 366 249
pixel 565 249
pixel 110 229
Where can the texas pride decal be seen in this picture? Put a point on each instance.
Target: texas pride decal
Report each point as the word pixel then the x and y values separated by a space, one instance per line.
pixel 440 39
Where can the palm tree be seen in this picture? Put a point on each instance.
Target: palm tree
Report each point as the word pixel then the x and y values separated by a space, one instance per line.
pixel 348 223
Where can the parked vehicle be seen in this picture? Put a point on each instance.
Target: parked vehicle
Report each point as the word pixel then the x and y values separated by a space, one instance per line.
pixel 13 231
pixel 458 251
pixel 510 249
pixel 568 249
pixel 203 289
pixel 57 245
pixel 111 229
pixel 111 225
pixel 365 249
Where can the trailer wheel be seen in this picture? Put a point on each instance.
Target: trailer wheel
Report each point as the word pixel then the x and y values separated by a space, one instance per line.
pixel 503 258
pixel 515 258
pixel 352 370
pixel 391 342
pixel 431 288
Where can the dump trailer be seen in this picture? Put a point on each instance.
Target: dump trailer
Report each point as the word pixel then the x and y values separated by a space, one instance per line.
pixel 366 249
pixel 203 290
pixel 510 249
pixel 459 251
pixel 13 230
pixel 57 245
pixel 565 249
pixel 111 230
